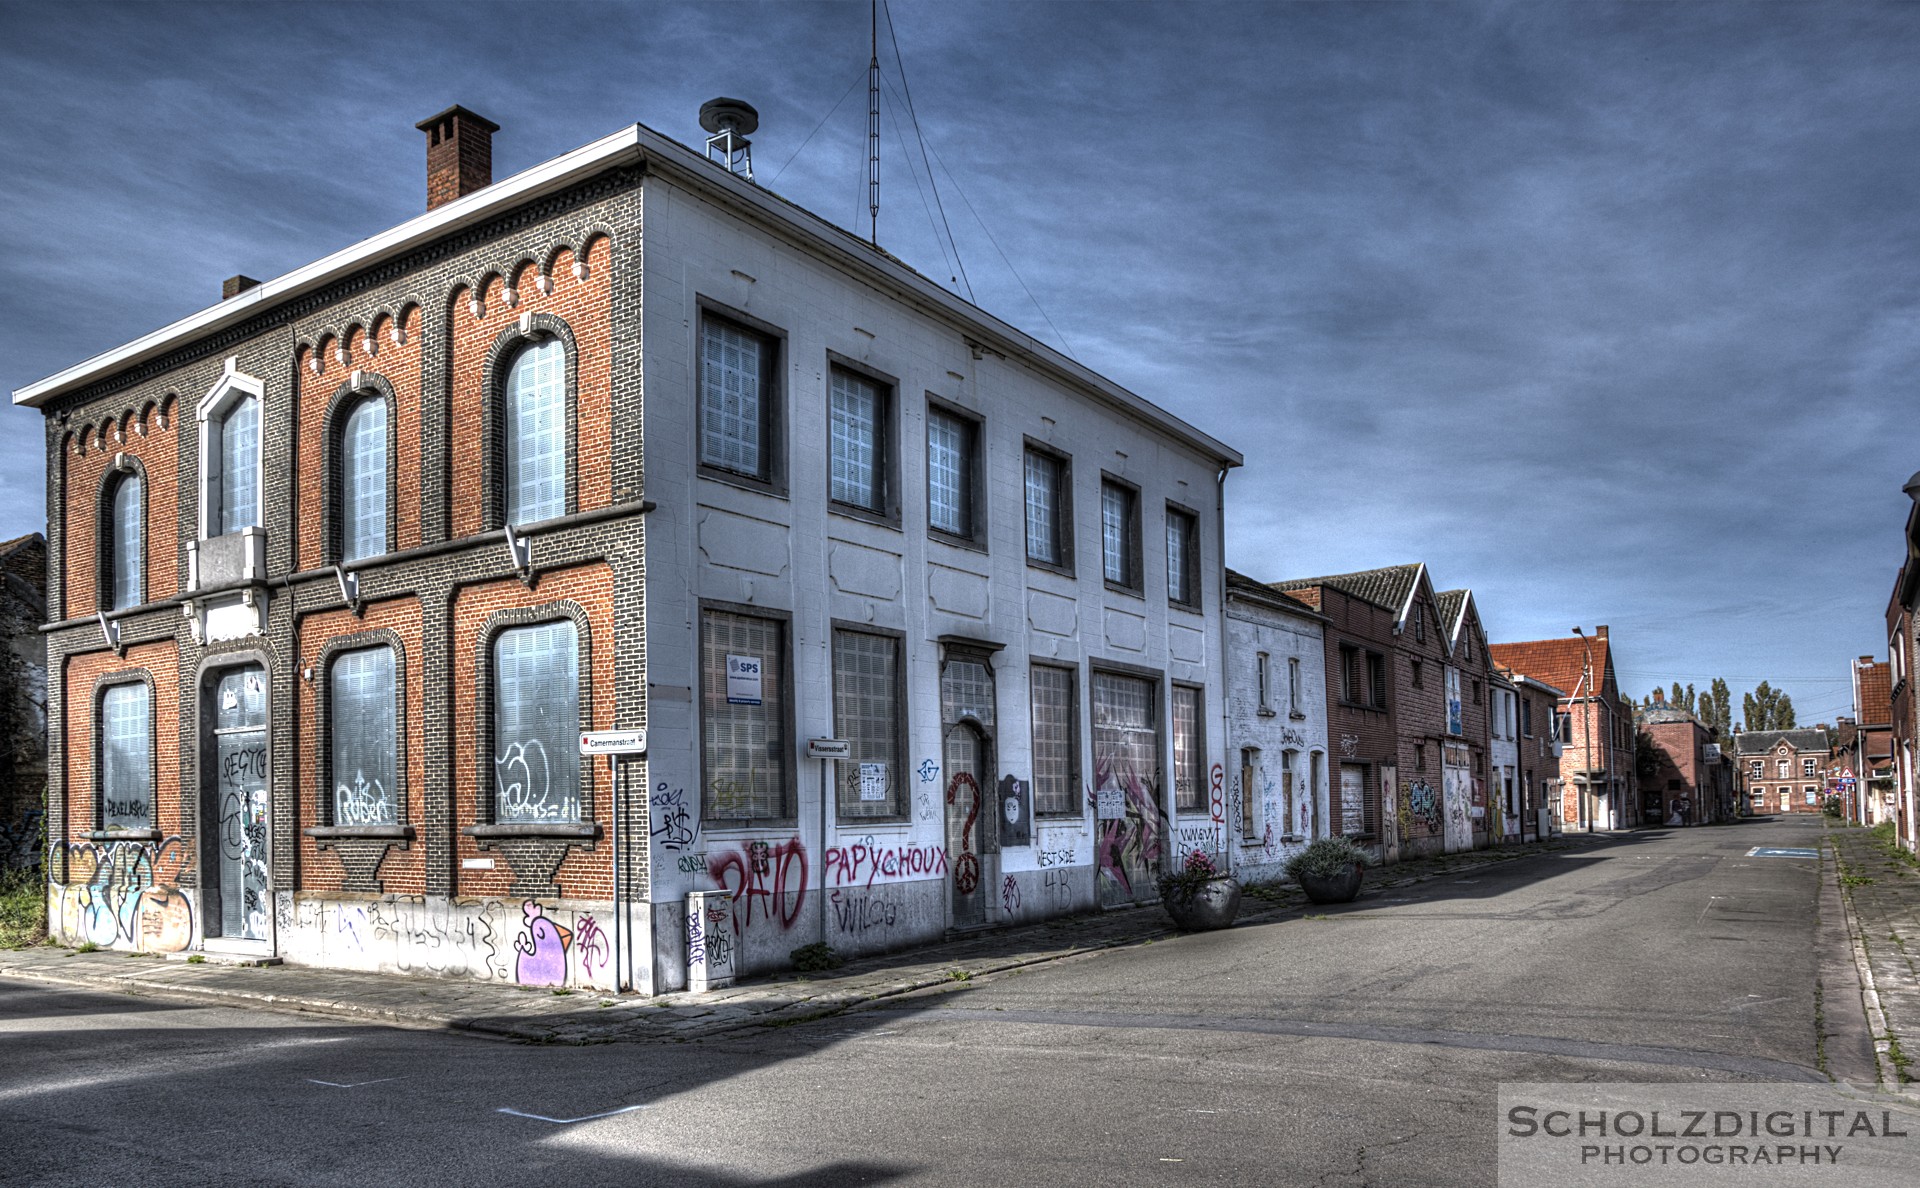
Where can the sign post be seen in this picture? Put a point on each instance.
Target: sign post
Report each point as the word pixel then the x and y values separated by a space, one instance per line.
pixel 613 744
pixel 828 751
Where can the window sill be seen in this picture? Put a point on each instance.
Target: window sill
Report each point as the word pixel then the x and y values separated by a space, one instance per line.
pixel 581 830
pixel 1064 570
pixel 1297 716
pixel 1192 608
pixel 865 515
pixel 373 832
pixel 942 536
pixel 114 835
pixel 1114 587
pixel 1268 713
pixel 744 482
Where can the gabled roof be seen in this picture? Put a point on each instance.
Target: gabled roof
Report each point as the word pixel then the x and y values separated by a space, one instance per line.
pixel 1239 585
pixel 1390 589
pixel 1559 662
pixel 1759 742
pixel 684 166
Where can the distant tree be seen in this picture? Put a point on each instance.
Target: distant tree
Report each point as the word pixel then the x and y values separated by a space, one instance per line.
pixel 1690 701
pixel 1674 698
pixel 1721 718
pixel 1767 708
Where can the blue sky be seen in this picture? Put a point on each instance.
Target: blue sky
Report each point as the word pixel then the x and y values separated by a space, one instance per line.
pixel 1611 313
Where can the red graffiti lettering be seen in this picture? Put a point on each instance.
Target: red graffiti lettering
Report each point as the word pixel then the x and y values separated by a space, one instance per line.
pixel 761 877
pixel 863 862
pixel 1216 796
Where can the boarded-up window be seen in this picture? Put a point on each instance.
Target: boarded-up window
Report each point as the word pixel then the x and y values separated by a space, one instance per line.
pixel 1352 812
pixel 867 712
pixel 743 718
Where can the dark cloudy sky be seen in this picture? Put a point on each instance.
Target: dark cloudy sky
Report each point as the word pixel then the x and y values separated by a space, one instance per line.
pixel 1608 312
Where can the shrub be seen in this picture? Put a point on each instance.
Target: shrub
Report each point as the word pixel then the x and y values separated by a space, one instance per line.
pixel 1326 858
pixel 1196 873
pixel 23 909
pixel 815 957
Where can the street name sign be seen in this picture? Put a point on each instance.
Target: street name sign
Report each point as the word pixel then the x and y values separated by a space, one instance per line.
pixel 613 742
pixel 829 748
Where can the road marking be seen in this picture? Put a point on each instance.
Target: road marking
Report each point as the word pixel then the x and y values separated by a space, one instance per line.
pixel 354 1084
pixel 1781 852
pixel 568 1121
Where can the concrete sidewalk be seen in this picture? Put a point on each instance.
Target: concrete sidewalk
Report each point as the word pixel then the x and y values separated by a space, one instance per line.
pixel 578 1017
pixel 1882 895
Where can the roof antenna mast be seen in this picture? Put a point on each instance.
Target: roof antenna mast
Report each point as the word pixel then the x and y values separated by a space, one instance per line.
pixel 873 122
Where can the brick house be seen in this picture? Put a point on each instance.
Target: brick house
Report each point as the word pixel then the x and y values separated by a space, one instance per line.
pixel 1784 771
pixel 1864 758
pixel 1276 727
pixel 1489 721
pixel 1408 737
pixel 1902 736
pixel 342 567
pixel 1683 780
pixel 1597 779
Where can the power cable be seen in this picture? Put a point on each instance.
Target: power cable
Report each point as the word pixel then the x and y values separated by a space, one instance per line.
pixel 816 128
pixel 913 118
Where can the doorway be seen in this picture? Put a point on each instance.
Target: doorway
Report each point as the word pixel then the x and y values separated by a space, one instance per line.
pixel 967 716
pixel 234 789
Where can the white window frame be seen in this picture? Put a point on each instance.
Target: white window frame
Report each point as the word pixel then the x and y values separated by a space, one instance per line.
pixel 1263 682
pixel 232 386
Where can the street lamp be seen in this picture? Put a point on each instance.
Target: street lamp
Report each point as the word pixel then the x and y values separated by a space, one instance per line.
pixel 1586 729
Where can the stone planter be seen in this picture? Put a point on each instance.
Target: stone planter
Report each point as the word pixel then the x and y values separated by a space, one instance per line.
pixel 1340 888
pixel 1213 904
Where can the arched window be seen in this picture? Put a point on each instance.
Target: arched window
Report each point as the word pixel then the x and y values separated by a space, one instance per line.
pixel 125 538
pixel 363 480
pixel 239 485
pixel 535 425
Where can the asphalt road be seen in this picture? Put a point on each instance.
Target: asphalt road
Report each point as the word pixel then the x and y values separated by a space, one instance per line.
pixel 1362 1046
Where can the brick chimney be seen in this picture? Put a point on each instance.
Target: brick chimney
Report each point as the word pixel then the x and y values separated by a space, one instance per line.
pixel 459 154
pixel 233 286
pixel 1600 632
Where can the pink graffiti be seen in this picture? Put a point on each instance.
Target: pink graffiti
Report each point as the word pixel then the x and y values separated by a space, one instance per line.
pixel 761 876
pixel 1216 795
pixel 846 864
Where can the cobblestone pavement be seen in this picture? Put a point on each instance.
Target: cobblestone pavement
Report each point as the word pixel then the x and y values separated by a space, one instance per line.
pixel 1882 891
pixel 547 1016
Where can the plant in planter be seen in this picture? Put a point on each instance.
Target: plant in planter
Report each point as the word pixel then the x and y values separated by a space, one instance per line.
pixel 1329 870
pixel 1198 896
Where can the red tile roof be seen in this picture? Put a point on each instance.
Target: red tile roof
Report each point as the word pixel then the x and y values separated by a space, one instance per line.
pixel 1558 662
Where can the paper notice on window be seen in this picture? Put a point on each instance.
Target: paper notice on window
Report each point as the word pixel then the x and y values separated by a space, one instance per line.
pixel 1111 802
pixel 743 680
pixel 229 699
pixel 873 781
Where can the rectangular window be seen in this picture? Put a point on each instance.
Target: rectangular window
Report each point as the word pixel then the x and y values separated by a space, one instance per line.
pixel 743 718
pixel 737 399
pixel 1526 717
pixel 1759 769
pixel 360 720
pixel 953 458
pixel 1249 777
pixel 239 466
pixel 1120 534
pixel 1310 795
pixel 1806 767
pixel 1260 670
pixel 858 434
pixel 1189 751
pixel 1785 768
pixel 867 712
pixel 1056 740
pixel 1350 674
pixel 1048 510
pixel 1418 682
pixel 536 720
pixel 1377 679
pixel 1293 687
pixel 1183 557
pixel 126 757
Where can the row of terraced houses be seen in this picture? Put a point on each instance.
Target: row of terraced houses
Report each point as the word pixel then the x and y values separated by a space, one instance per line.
pixel 889 620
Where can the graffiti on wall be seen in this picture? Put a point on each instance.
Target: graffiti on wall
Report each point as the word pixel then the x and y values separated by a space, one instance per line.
pixel 542 947
pixel 1128 848
pixel 363 802
pixel 768 879
pixel 966 868
pixel 1423 805
pixel 673 824
pixel 523 780
pixel 1216 794
pixel 124 892
pixel 1010 895
pixel 855 913
pixel 868 860
pixel 434 937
